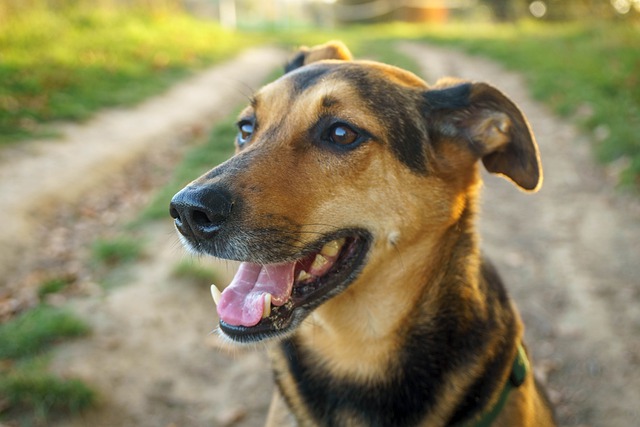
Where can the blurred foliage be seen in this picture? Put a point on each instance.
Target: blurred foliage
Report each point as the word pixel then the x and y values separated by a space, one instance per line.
pixel 65 59
pixel 116 250
pixel 31 395
pixel 218 148
pixel 54 286
pixel 369 11
pixel 35 330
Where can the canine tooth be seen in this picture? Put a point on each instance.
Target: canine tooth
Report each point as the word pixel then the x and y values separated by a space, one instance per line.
pixel 303 275
pixel 215 293
pixel 319 262
pixel 332 248
pixel 267 306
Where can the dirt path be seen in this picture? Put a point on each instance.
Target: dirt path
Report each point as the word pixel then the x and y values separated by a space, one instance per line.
pixel 39 177
pixel 569 255
pixel 151 354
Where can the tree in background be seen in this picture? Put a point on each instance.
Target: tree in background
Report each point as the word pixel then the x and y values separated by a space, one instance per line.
pixel 504 10
pixel 512 10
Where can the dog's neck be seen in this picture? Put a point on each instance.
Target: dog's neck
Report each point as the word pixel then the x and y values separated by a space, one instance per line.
pixel 418 315
pixel 356 331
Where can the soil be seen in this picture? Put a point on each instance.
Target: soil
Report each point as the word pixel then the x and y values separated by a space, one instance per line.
pixel 568 254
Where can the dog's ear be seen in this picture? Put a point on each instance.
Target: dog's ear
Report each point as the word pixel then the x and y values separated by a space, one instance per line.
pixel 332 50
pixel 492 125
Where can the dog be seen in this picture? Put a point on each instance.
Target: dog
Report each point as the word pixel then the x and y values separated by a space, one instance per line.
pixel 350 203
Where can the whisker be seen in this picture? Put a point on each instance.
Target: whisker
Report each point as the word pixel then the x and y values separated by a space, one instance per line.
pixel 245 89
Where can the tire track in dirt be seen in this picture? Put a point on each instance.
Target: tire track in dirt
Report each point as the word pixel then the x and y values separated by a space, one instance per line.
pixel 569 256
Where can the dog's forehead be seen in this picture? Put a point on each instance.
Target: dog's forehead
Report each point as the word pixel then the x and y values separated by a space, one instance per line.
pixel 358 75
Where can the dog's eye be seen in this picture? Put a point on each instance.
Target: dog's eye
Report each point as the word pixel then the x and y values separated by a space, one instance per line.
pixel 342 134
pixel 245 131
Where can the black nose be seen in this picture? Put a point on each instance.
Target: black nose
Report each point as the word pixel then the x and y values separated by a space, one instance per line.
pixel 199 212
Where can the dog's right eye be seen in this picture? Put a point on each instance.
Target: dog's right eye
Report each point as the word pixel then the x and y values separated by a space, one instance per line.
pixel 245 131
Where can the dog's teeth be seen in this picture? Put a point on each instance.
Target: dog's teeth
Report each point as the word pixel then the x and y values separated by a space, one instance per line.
pixel 303 275
pixel 332 248
pixel 215 293
pixel 267 306
pixel 319 262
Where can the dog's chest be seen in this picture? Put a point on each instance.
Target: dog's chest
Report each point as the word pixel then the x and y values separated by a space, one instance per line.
pixel 403 398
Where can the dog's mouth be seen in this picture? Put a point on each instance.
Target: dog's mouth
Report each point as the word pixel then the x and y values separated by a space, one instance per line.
pixel 264 301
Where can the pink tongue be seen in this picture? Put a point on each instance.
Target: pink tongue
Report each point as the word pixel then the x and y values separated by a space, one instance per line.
pixel 242 302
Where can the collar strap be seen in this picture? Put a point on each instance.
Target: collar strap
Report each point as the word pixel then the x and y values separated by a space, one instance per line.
pixel 516 378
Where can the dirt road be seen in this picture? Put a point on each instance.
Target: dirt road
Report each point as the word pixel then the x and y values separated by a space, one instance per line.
pixel 569 256
pixel 39 177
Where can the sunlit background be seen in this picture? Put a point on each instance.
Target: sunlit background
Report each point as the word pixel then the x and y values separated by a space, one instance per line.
pixel 252 13
pixel 247 13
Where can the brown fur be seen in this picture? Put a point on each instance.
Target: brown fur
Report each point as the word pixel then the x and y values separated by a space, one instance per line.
pixel 412 185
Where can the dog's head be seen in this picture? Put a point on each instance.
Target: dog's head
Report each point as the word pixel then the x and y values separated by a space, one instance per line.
pixel 339 165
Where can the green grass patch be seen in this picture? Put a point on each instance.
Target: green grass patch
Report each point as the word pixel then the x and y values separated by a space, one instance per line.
pixel 117 250
pixel 53 286
pixel 29 393
pixel 66 62
pixel 36 330
pixel 218 148
pixel 32 396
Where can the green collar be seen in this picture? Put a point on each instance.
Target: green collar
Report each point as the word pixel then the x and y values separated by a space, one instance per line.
pixel 518 374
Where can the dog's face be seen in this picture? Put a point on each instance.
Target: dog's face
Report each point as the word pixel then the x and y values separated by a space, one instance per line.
pixel 338 165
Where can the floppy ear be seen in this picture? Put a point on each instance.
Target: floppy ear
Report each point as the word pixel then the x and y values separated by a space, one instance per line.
pixel 332 50
pixel 492 125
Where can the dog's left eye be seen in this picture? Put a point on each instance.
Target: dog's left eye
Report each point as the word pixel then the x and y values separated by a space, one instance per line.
pixel 342 134
pixel 245 130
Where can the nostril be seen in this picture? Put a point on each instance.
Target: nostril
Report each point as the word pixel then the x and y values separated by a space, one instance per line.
pixel 206 221
pixel 175 214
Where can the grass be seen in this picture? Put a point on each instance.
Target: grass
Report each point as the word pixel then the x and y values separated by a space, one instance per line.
pixel 36 330
pixel 29 393
pixel 53 286
pixel 116 250
pixel 217 149
pixel 33 396
pixel 65 63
